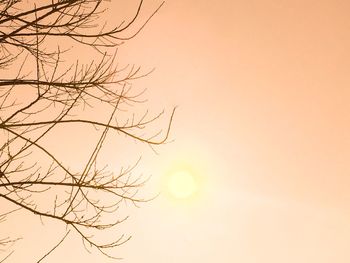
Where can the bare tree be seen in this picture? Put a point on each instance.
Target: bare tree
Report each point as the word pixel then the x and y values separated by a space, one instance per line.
pixel 41 89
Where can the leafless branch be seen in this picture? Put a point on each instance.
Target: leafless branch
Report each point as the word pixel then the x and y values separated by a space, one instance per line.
pixel 60 92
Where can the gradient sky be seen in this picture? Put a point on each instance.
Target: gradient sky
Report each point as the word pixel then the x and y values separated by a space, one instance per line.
pixel 263 90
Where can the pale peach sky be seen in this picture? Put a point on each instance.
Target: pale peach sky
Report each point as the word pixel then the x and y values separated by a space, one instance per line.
pixel 263 90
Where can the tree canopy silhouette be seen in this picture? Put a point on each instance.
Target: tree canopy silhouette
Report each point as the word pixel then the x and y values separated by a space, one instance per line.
pixel 44 86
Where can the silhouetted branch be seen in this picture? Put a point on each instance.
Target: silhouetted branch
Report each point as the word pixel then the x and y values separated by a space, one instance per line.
pixel 59 93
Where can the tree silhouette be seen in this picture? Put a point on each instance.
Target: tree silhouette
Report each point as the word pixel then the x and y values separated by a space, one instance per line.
pixel 42 90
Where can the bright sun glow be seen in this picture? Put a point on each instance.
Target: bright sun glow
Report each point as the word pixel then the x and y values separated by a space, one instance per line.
pixel 182 184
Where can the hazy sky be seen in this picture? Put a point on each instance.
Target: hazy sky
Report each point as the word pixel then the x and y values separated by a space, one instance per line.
pixel 263 90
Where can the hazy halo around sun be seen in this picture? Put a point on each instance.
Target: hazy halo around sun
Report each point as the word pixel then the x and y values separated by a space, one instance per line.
pixel 184 180
pixel 182 184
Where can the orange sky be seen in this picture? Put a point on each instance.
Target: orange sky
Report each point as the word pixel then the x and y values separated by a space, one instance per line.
pixel 264 113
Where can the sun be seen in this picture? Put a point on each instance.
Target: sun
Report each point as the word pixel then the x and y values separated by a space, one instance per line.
pixel 182 184
pixel 184 180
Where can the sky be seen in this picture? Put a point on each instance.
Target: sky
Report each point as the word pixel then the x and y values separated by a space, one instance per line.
pixel 262 89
